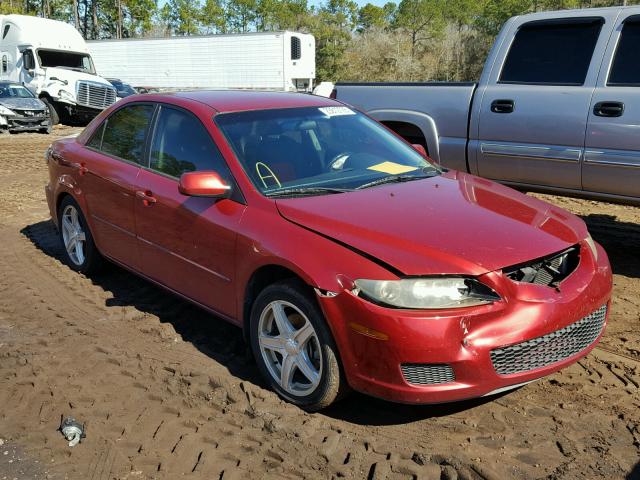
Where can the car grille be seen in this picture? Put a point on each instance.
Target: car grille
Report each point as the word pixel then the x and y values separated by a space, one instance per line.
pixel 94 95
pixel 551 348
pixel 427 374
pixel 30 113
pixel 549 271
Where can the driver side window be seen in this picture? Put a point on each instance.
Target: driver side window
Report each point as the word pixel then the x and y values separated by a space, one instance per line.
pixel 182 144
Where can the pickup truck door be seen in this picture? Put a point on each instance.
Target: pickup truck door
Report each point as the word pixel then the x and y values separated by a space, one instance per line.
pixel 532 115
pixel 612 155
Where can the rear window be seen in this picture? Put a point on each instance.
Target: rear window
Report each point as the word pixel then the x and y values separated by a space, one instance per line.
pixel 625 70
pixel 552 52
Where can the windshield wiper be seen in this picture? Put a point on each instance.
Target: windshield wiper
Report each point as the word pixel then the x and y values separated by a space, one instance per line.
pixel 398 179
pixel 306 191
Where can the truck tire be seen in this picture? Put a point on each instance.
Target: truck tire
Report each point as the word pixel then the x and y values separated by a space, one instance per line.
pixel 55 117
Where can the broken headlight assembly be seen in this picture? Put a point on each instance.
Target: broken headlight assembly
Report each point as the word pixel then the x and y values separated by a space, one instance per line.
pixel 426 293
pixel 4 111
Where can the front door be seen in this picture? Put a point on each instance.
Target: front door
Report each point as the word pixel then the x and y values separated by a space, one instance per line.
pixel 612 156
pixel 186 243
pixel 533 111
pixel 112 164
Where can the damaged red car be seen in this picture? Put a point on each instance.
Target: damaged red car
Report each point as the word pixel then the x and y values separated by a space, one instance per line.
pixel 350 260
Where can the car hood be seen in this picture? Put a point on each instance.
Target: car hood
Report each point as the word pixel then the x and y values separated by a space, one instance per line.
pixel 72 76
pixel 451 224
pixel 22 103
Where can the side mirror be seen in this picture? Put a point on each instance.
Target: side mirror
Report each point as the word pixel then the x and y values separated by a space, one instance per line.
pixel 203 184
pixel 29 61
pixel 420 149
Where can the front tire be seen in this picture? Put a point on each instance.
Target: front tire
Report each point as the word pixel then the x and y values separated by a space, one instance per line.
pixel 80 251
pixel 294 348
pixel 55 116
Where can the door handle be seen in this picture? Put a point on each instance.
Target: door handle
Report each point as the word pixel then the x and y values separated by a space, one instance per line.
pixel 147 197
pixel 502 106
pixel 608 109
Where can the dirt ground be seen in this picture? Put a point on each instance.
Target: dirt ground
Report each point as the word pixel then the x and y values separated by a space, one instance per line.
pixel 167 391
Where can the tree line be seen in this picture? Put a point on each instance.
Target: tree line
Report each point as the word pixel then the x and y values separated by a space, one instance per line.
pixel 412 40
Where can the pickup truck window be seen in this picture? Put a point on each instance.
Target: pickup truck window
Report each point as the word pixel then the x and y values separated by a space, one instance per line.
pixel 625 71
pixel 552 53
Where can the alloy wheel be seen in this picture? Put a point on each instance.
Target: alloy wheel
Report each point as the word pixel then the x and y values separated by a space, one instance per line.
pixel 290 348
pixel 73 235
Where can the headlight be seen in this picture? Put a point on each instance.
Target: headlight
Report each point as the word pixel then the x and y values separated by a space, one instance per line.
pixel 66 95
pixel 592 246
pixel 5 111
pixel 427 293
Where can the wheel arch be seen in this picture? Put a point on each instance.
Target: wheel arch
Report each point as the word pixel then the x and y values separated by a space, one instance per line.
pixel 411 121
pixel 260 279
pixel 59 199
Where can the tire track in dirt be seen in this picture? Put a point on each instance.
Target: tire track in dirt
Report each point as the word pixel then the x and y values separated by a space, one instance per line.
pixel 197 420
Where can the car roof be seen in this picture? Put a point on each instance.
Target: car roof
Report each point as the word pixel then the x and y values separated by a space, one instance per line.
pixel 239 100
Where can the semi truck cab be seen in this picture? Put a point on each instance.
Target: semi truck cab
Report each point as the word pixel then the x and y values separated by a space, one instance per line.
pixel 52 60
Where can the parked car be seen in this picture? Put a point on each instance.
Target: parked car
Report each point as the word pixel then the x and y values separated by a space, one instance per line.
pixel 346 256
pixel 52 59
pixel 123 89
pixel 21 111
pixel 557 107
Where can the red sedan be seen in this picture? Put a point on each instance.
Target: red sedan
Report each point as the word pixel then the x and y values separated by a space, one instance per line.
pixel 348 258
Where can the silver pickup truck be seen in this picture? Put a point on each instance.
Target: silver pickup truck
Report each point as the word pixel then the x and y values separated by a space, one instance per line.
pixel 557 107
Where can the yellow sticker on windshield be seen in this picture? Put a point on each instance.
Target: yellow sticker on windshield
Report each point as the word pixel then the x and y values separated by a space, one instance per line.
pixel 392 168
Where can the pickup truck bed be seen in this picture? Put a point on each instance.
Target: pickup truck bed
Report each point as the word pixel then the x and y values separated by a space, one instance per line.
pixel 434 114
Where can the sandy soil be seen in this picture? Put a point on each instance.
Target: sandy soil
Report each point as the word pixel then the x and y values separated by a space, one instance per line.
pixel 168 391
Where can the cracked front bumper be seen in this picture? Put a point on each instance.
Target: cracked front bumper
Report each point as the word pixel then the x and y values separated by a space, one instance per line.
pixel 384 351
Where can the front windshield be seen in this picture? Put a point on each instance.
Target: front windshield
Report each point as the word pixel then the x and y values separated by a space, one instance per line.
pixel 316 148
pixel 80 62
pixel 14 91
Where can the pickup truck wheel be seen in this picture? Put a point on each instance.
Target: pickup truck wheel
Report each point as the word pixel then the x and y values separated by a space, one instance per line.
pixel 79 248
pixel 55 117
pixel 294 348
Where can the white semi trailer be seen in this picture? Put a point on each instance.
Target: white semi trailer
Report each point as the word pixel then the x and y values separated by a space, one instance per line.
pixel 259 61
pixel 52 60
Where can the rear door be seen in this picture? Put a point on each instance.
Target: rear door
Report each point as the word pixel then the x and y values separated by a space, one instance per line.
pixel 533 111
pixel 110 165
pixel 612 156
pixel 187 243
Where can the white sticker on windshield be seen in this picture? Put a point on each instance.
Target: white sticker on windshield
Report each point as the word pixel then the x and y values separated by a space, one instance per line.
pixel 336 111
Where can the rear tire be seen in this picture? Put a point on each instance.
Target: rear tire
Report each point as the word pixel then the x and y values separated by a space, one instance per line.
pixel 80 251
pixel 55 116
pixel 294 348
